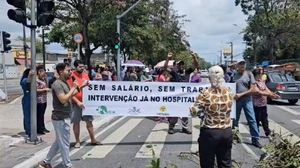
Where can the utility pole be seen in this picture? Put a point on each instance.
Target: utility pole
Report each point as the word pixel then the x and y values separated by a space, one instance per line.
pixel 221 55
pixel 221 61
pixel 231 45
pixel 25 46
pixel 33 134
pixel 45 17
pixel 255 53
pixel 119 17
pixel 43 43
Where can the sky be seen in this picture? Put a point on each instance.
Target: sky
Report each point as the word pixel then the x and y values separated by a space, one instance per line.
pixel 210 29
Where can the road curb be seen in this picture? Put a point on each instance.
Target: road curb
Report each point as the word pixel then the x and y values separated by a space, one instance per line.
pixel 14 101
pixel 39 156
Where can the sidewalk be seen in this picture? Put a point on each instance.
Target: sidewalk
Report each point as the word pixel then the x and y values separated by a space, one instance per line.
pixel 12 134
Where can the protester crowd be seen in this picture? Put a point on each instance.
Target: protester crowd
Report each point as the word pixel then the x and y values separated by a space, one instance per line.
pixel 213 105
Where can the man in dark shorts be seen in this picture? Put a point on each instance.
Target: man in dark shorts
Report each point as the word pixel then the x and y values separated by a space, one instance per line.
pixel 78 106
pixel 178 74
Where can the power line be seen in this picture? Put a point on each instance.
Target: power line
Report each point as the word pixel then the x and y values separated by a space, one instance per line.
pixel 238 54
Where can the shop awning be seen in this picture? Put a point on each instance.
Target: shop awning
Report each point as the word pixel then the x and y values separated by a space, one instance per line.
pixel 22 61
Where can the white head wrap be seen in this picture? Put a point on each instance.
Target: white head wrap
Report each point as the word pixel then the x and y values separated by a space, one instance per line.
pixel 216 76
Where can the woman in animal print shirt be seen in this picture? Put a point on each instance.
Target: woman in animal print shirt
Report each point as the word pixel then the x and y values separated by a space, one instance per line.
pixel 216 137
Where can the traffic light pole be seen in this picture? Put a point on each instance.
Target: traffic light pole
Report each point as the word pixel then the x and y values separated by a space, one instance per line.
pixel 78 49
pixel 33 99
pixel 4 70
pixel 119 17
pixel 119 50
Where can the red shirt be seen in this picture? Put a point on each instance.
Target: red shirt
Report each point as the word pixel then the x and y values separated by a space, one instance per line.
pixel 81 78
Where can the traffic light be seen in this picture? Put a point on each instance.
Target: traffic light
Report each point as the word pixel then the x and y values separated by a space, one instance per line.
pixel 18 15
pixel 225 56
pixel 5 41
pixel 44 12
pixel 117 41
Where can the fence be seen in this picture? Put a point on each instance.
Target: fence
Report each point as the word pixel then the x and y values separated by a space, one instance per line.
pixel 12 71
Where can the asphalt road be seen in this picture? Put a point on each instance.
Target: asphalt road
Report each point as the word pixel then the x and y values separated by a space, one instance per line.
pixel 127 141
pixel 12 89
pixel 13 86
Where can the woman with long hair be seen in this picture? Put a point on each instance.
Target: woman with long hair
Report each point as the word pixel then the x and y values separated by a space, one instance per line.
pixel 42 90
pixel 216 137
pixel 195 76
pixel 98 75
pixel 25 84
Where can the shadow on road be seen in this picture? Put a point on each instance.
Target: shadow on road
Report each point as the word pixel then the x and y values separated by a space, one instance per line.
pixel 282 103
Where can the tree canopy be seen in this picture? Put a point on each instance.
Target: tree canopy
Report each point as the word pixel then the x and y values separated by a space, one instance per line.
pixel 39 44
pixel 148 32
pixel 273 29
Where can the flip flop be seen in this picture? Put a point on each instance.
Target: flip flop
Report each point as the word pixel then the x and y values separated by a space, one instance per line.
pixel 96 143
pixel 77 145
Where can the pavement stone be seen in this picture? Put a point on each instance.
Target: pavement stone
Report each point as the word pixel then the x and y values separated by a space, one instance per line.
pixel 12 134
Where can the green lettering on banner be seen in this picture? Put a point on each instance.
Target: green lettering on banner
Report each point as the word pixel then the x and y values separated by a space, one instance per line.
pixel 143 98
pixel 103 110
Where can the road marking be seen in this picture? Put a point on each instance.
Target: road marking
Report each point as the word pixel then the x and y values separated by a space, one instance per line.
pixel 195 134
pixel 159 134
pixel 112 140
pixel 243 130
pixel 89 141
pixel 296 121
pixel 17 99
pixel 277 128
pixel 289 110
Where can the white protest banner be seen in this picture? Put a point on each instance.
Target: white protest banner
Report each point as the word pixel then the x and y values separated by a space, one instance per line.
pixel 116 98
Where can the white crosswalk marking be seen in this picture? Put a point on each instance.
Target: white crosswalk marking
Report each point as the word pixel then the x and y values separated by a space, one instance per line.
pixel 158 134
pixel 277 128
pixel 289 110
pixel 113 139
pixel 86 142
pixel 243 130
pixel 296 121
pixel 195 134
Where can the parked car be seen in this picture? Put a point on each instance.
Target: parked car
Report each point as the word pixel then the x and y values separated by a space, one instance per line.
pixel 285 85
pixel 204 73
pixel 50 75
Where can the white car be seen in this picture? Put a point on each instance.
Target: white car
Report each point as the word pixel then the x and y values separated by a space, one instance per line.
pixel 204 73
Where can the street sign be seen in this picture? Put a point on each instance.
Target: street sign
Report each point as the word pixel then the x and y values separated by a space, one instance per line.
pixel 78 38
pixel 227 51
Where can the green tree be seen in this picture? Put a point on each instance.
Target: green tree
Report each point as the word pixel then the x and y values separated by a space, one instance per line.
pixel 39 44
pixel 148 32
pixel 272 25
pixel 208 65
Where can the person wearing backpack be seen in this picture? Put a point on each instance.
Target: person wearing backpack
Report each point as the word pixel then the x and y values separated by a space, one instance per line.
pixel 245 87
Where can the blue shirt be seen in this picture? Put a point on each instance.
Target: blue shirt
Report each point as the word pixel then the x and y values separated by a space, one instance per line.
pixel 25 87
